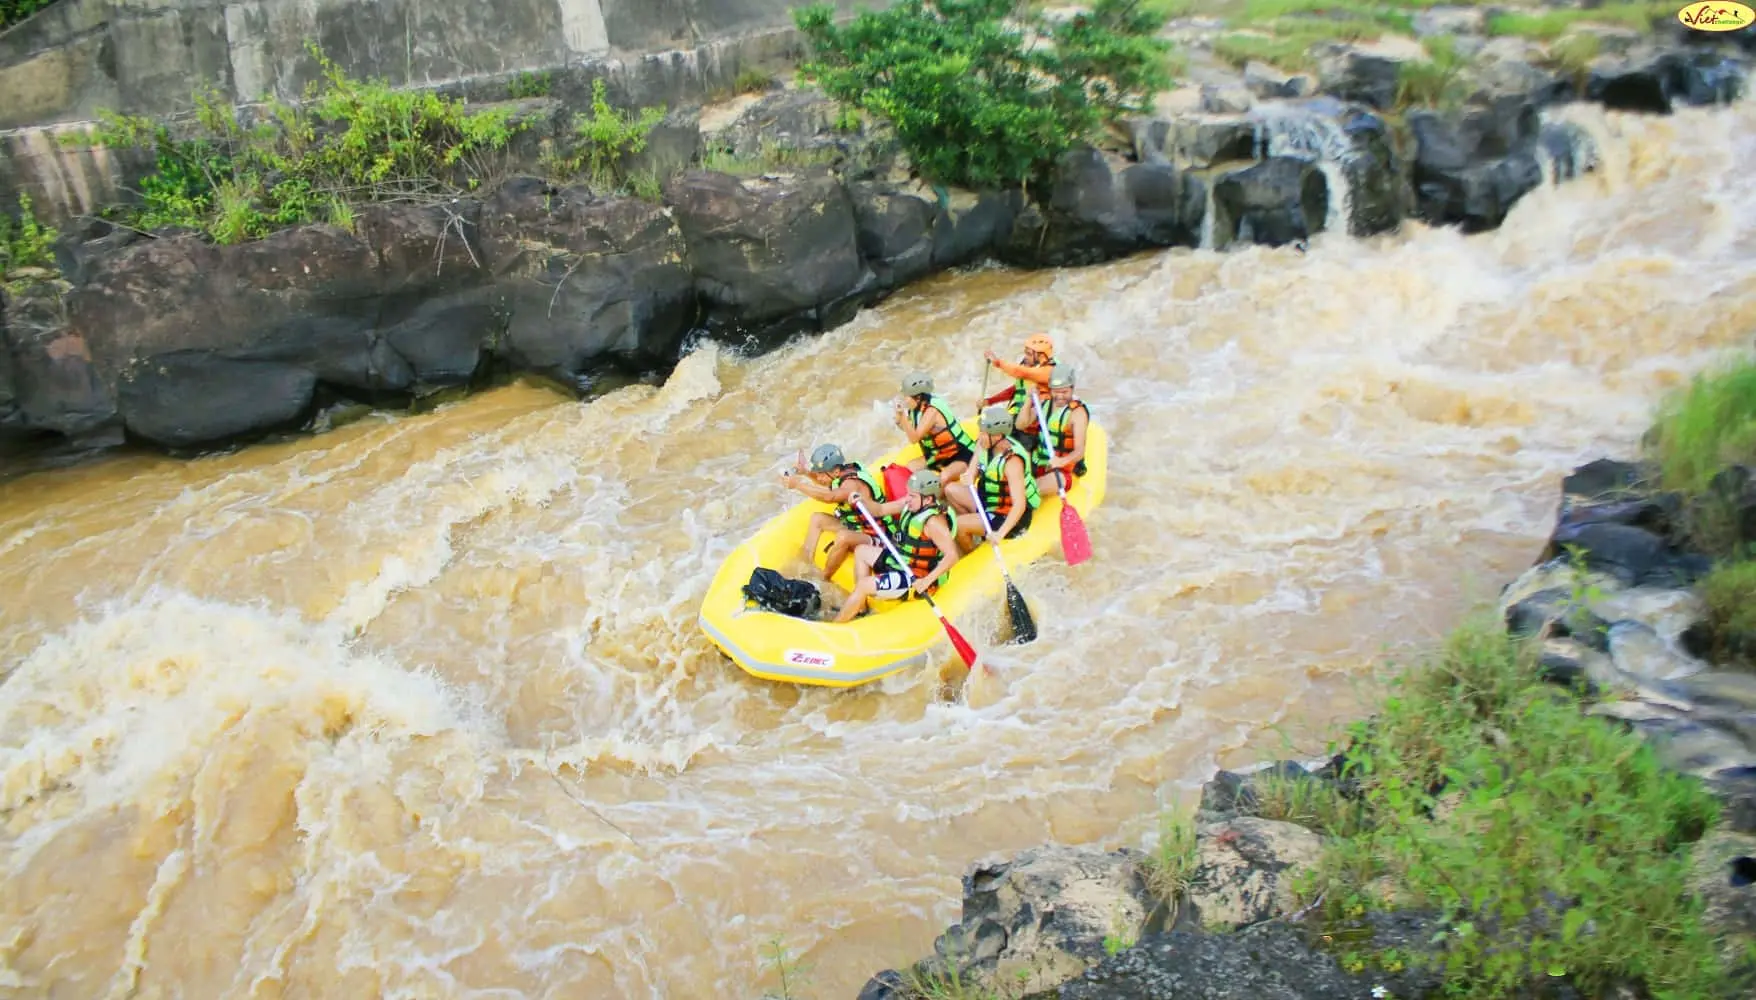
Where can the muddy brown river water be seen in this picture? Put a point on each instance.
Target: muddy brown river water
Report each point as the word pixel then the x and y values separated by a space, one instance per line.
pixel 352 716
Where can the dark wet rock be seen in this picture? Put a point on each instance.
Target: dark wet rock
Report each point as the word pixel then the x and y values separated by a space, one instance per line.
pixel 1472 166
pixel 341 350
pixel 895 232
pixel 1265 81
pixel 886 985
pixel 1168 204
pixel 49 382
pixel 1099 208
pixel 770 258
pixel 968 226
pixel 582 281
pixel 1605 479
pixel 1278 201
pixel 1352 75
pixel 1634 556
pixel 1654 81
pixel 1197 142
pixel 442 341
pixel 189 398
pixel 1272 961
pixel 1380 195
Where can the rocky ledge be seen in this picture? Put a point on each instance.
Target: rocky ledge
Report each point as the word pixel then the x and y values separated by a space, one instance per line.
pixel 169 339
pixel 1613 603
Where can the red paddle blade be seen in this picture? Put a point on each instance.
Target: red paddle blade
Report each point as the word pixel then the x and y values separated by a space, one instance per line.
pixel 965 651
pixel 896 481
pixel 1074 543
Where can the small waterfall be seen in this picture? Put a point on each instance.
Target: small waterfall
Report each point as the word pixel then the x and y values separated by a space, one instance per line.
pixel 1316 137
pixel 1207 215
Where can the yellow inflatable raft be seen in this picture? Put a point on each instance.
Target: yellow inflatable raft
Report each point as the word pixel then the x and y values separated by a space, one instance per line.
pixel 897 633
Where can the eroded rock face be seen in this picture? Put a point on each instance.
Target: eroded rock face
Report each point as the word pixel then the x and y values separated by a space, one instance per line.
pixel 582 279
pixel 1037 919
pixel 770 257
pixel 1245 870
pixel 1267 962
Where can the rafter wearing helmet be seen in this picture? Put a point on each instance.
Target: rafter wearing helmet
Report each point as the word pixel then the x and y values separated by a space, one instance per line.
pixel 929 421
pixel 1003 479
pixel 832 479
pixel 1030 375
pixel 925 536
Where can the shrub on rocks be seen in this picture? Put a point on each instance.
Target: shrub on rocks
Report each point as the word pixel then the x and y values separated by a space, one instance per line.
pixel 1550 844
pixel 976 99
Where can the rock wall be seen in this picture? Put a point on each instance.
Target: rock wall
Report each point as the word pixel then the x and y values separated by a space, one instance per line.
pixel 149 334
pixel 147 57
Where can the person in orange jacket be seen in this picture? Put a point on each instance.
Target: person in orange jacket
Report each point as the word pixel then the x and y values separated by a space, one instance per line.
pixel 1030 377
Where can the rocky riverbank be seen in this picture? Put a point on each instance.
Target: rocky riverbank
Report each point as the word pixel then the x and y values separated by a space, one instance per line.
pixel 1615 609
pixel 778 216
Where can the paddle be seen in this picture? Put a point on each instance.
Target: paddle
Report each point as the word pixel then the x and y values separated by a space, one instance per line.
pixel 1075 544
pixel 965 651
pixel 1024 629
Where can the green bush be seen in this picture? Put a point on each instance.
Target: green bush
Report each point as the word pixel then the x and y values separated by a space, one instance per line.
pixel 14 11
pixel 601 141
pixel 987 93
pixel 24 244
pixel 348 142
pixel 1706 426
pixel 1551 842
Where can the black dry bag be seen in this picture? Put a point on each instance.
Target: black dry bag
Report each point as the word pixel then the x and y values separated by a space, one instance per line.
pixel 770 591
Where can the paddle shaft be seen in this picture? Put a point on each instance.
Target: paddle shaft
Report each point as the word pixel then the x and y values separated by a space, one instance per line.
pixel 1048 442
pixel 988 527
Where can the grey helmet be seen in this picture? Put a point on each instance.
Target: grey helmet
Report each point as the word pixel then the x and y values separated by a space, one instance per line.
pixel 997 420
pixel 1063 377
pixel 826 458
pixel 917 384
pixel 926 482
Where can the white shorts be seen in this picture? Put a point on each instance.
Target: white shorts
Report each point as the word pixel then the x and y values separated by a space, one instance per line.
pixel 892 584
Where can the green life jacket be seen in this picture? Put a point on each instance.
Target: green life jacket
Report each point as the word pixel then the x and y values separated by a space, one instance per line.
pixel 1060 434
pixel 945 444
pixel 848 514
pixel 917 547
pixel 996 498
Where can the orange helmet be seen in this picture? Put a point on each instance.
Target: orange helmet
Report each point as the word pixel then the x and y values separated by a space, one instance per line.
pixel 1041 344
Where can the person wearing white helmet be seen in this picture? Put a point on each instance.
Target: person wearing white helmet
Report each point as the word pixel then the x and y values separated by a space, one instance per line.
pixel 833 479
pixel 1008 492
pixel 1067 419
pixel 925 537
pixel 927 419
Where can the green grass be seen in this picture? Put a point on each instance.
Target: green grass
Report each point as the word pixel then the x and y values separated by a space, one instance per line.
pixel 1707 425
pixel 1553 843
pixel 1281 32
pixel 1305 801
pixel 1551 24
pixel 1729 592
pixel 25 245
pixel 1171 865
